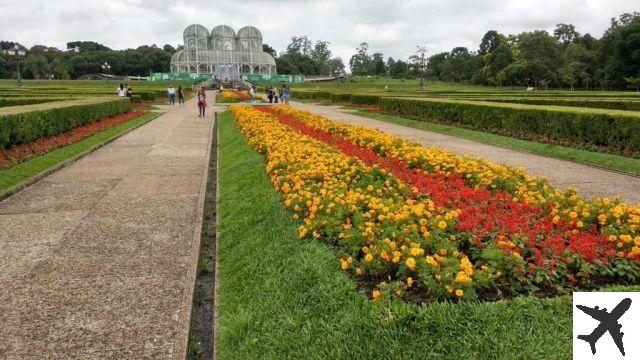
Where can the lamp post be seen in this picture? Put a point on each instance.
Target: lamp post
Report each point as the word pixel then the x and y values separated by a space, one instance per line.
pixel 337 74
pixel 421 53
pixel 106 68
pixel 17 55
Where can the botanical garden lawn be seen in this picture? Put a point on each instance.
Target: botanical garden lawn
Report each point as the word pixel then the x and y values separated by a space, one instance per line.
pixel 20 173
pixel 610 161
pixel 281 297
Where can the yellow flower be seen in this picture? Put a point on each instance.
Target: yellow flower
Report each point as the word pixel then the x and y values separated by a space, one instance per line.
pixel 459 293
pixel 409 282
pixel 375 294
pixel 442 225
pixel 411 263
pixel 344 265
pixel 368 257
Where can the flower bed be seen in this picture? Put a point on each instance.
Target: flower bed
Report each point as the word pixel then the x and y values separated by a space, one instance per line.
pixel 425 224
pixel 231 96
pixel 21 153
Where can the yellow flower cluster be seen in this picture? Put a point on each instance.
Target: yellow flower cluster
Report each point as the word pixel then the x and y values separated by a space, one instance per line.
pixel 233 96
pixel 383 232
pixel 610 216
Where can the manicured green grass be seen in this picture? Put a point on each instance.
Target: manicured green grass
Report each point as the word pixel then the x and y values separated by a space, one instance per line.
pixel 610 161
pixel 20 173
pixel 284 298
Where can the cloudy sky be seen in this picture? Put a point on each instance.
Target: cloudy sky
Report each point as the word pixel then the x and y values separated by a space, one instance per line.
pixel 393 27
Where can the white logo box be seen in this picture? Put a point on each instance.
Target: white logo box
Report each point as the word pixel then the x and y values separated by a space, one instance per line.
pixel 584 325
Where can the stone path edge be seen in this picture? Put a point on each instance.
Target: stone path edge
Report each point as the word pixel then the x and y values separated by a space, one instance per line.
pixel 601 167
pixel 181 343
pixel 34 179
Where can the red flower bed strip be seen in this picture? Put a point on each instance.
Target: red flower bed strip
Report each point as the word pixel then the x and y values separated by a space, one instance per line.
pixel 40 146
pixel 484 215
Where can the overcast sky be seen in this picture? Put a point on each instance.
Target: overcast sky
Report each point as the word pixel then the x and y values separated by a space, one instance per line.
pixel 393 27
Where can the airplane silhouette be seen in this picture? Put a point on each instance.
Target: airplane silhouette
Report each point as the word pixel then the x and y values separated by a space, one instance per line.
pixel 608 322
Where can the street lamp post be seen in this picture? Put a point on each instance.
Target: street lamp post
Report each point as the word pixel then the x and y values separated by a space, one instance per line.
pixel 337 74
pixel 17 55
pixel 421 52
pixel 106 68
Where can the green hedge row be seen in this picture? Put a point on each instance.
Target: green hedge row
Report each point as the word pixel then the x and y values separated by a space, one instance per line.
pixel 579 127
pixel 136 99
pixel 23 125
pixel 340 97
pixel 4 102
pixel 629 105
pixel 299 94
pixel 365 99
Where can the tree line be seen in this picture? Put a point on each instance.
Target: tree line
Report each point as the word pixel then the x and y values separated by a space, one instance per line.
pixel 85 57
pixel 536 59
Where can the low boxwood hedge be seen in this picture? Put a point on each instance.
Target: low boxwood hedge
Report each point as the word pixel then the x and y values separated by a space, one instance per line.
pixel 616 104
pixel 365 99
pixel 21 125
pixel 340 97
pixel 300 94
pixel 579 127
pixel 136 99
pixel 19 101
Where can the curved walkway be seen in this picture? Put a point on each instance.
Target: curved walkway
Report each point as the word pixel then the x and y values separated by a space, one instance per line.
pixel 590 180
pixel 98 259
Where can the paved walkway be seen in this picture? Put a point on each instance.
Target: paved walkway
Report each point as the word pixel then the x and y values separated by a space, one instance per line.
pixel 591 181
pixel 98 259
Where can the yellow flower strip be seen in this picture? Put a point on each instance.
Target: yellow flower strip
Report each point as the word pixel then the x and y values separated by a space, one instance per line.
pixel 619 220
pixel 384 236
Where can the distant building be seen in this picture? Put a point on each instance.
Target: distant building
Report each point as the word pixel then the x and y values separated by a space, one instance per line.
pixel 223 53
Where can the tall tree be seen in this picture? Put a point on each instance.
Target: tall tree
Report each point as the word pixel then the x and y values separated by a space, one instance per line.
pixel 361 60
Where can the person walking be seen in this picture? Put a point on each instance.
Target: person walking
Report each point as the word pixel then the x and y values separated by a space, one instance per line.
pixel 251 93
pixel 270 95
pixel 286 94
pixel 129 91
pixel 171 93
pixel 122 92
pixel 202 102
pixel 180 95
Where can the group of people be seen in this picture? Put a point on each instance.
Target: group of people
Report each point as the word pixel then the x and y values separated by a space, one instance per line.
pixel 124 91
pixel 283 94
pixel 172 92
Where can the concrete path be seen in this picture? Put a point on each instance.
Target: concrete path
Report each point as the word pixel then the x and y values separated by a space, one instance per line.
pixel 590 180
pixel 98 260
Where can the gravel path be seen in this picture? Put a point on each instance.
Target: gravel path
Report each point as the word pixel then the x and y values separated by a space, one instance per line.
pixel 98 259
pixel 590 180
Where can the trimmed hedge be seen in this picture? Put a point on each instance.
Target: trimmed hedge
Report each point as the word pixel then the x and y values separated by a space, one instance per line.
pixel 21 125
pixel 326 95
pixel 628 105
pixel 614 129
pixel 340 97
pixel 4 102
pixel 365 99
pixel 136 99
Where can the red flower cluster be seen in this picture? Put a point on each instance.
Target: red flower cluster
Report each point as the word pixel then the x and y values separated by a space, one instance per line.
pixel 40 146
pixel 528 233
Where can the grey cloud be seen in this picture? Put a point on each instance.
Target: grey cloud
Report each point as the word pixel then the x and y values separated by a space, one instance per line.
pixel 390 26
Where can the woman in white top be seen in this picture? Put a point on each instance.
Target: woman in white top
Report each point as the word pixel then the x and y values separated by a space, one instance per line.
pixel 122 91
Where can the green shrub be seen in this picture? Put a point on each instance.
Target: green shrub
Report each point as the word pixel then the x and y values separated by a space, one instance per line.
pixel 21 125
pixel 591 103
pixel 365 99
pixel 19 101
pixel 614 129
pixel 340 97
pixel 326 95
pixel 136 99
pixel 146 95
